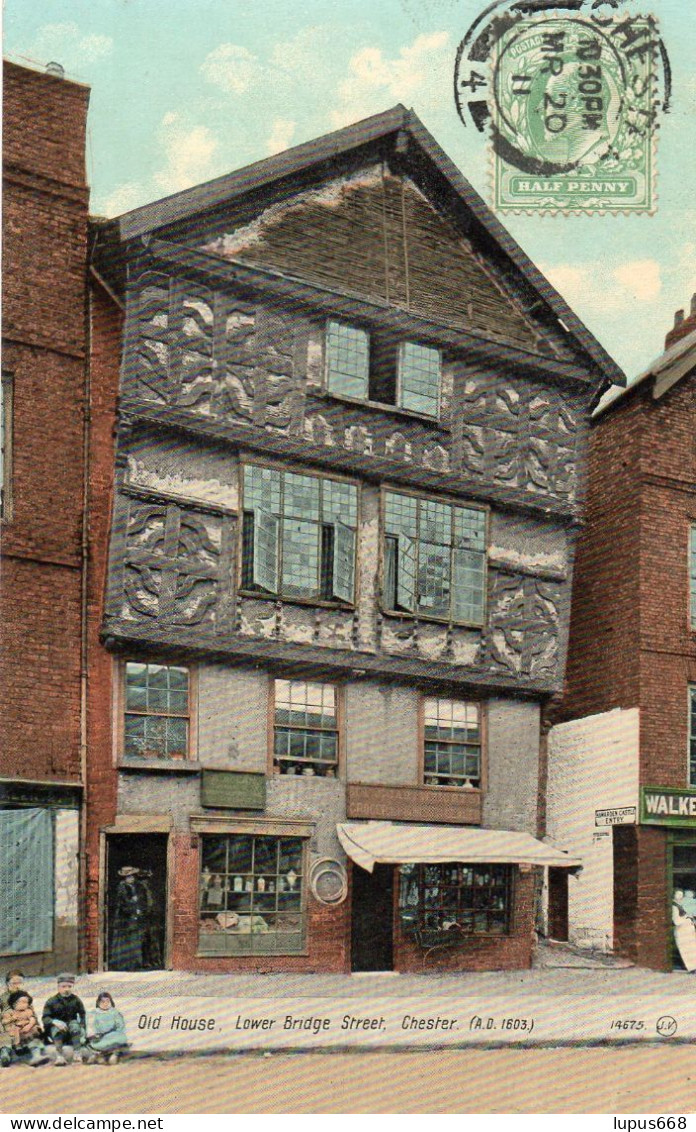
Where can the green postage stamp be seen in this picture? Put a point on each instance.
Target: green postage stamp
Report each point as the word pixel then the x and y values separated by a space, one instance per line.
pixel 571 102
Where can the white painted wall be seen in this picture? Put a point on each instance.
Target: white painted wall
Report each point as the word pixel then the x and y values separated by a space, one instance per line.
pixel 593 765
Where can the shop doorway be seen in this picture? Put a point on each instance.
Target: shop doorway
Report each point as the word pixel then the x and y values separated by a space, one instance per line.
pixel 372 931
pixel 558 905
pixel 136 901
pixel 683 911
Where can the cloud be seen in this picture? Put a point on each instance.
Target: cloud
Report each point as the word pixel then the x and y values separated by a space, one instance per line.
pixel 65 44
pixel 281 135
pixel 373 79
pixel 123 199
pixel 189 151
pixel 593 289
pixel 232 68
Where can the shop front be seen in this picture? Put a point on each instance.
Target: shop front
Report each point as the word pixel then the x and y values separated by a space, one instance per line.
pixel 674 811
pixel 447 897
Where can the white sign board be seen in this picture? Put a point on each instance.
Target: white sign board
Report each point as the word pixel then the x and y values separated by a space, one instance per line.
pixel 619 815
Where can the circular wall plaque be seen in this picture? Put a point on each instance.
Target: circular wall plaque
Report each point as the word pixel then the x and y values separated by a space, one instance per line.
pixel 328 881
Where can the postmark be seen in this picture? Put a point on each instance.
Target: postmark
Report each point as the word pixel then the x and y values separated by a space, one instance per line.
pixel 571 100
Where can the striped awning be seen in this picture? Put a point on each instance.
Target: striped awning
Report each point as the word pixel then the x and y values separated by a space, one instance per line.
pixel 369 843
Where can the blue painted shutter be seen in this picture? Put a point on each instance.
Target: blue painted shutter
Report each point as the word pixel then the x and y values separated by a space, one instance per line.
pixel 26 881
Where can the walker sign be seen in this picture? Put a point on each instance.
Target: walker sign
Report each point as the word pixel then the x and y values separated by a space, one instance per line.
pixel 663 806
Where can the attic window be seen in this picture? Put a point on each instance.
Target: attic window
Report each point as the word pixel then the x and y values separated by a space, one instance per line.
pixel 375 367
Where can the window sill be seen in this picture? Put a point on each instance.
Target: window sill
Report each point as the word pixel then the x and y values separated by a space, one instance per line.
pixel 165 766
pixel 411 618
pixel 252 954
pixel 470 791
pixel 379 406
pixel 312 602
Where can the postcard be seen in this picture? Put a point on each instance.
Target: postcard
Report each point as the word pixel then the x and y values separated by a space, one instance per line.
pixel 348 557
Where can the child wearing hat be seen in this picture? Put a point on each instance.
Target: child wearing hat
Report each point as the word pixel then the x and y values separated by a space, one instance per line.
pixel 65 1021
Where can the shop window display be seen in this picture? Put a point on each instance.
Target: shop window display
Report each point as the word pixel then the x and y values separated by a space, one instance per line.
pixel 251 895
pixel 453 897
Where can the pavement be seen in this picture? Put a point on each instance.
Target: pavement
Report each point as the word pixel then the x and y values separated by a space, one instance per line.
pixel 568 997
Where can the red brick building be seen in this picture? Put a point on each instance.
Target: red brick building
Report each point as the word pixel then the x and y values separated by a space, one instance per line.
pixel 633 640
pixel 42 576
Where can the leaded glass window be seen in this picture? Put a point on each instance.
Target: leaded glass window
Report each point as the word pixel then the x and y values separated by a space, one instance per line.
pixel 419 378
pixel 347 360
pixel 299 535
pixel 376 366
pixel 434 558
pixel 252 895
pixel 471 899
pixel 305 739
pixel 156 711
pixel 452 743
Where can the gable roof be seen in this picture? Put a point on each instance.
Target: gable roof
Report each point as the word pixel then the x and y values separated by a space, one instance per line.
pixel 416 146
pixel 670 367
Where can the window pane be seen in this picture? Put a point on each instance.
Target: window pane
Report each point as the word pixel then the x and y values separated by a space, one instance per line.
pixel 240 900
pixel 452 752
pixel 157 708
pixel 305 726
pixel 469 898
pixel 294 543
pixel 347 360
pixel 419 378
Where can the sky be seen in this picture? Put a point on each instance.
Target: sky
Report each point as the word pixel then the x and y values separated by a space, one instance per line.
pixel 187 90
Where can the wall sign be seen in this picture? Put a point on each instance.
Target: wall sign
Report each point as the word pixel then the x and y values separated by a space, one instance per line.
pixel 616 815
pixel 660 805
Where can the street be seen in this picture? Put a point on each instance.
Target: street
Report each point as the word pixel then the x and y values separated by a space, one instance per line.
pixel 645 1079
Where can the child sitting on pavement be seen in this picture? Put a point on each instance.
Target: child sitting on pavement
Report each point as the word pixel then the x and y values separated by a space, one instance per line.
pixel 108 1038
pixel 65 1021
pixel 22 1025
pixel 14 981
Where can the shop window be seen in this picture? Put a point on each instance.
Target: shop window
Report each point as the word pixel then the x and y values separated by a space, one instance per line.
pixel 252 895
pixel 461 898
pixel 376 367
pixel 692 575
pixel 6 390
pixel 451 743
pixel 305 733
pixel 434 559
pixel 692 736
pixel 299 535
pixel 157 711
pixel 26 881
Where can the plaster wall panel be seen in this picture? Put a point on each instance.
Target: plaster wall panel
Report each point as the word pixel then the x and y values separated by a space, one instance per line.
pixel 381 734
pixel 233 717
pixel 593 765
pixel 510 801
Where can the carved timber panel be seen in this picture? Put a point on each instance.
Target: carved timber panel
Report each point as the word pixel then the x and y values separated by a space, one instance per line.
pixel 212 352
pixel 172 568
pixel 519 434
pixel 523 633
pixel 222 357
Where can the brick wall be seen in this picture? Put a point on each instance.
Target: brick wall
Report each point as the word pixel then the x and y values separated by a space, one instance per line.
pixel 106 325
pixel 44 264
pixel 632 644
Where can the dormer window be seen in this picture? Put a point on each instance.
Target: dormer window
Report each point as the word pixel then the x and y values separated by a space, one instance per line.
pixel 376 367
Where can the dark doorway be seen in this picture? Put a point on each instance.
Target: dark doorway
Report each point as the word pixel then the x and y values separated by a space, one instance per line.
pixel 136 901
pixel 558 904
pixel 683 908
pixel 372 933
